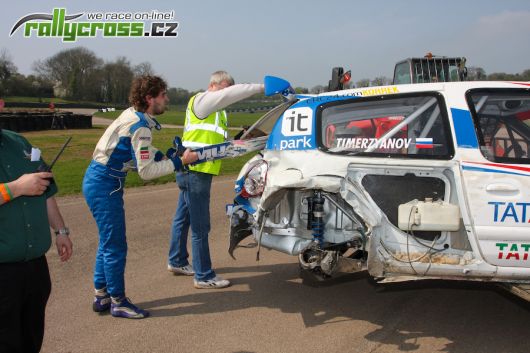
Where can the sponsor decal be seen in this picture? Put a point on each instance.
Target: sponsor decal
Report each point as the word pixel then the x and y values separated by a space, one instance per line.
pixel 145 138
pixel 366 92
pixel 296 130
pixel 298 121
pixel 378 91
pixel 211 153
pixel 513 251
pixel 516 212
pixel 424 143
pixel 364 143
pixel 144 153
pixel 302 143
pixel 104 24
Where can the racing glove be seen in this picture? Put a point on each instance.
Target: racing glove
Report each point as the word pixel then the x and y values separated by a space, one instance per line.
pixel 159 156
pixel 178 146
pixel 172 154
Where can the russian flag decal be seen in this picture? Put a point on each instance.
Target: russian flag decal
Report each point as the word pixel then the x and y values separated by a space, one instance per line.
pixel 425 142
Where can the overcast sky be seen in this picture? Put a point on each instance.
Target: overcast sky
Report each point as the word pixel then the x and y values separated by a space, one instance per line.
pixel 298 40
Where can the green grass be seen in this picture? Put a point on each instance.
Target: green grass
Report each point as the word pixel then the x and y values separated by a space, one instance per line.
pixel 240 119
pixel 175 117
pixel 70 168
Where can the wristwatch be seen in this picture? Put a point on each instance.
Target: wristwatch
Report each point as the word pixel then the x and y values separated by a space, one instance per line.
pixel 63 231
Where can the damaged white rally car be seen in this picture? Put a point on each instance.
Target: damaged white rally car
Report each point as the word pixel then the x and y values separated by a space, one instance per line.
pixel 418 181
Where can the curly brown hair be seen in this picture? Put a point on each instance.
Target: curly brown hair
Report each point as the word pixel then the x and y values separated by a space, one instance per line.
pixel 144 86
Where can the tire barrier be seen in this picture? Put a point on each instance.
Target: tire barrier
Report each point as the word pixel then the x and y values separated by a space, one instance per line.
pixel 36 121
pixel 35 105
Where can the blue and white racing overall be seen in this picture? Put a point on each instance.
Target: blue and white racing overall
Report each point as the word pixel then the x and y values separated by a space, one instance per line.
pixel 125 146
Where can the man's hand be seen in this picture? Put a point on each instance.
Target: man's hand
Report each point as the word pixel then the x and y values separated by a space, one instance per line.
pixel 30 184
pixel 189 157
pixel 64 247
pixel 62 242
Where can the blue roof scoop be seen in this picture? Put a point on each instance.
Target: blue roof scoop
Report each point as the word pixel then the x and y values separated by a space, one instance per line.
pixel 275 85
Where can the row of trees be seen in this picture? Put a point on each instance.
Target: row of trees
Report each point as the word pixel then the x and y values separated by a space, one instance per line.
pixel 478 74
pixel 80 74
pixel 77 74
pixel 13 83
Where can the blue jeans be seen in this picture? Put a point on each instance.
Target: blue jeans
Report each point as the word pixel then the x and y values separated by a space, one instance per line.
pixel 103 192
pixel 193 209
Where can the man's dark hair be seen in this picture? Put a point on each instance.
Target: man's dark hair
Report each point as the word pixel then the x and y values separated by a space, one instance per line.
pixel 144 86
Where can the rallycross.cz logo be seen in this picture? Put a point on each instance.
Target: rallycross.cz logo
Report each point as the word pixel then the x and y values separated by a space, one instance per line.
pixel 104 24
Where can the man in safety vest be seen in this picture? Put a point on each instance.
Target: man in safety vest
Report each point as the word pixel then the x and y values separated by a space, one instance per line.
pixel 206 124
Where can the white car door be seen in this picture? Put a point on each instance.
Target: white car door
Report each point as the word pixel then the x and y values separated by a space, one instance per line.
pixel 498 182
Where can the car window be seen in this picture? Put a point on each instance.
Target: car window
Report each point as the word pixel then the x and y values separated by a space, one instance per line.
pixel 403 126
pixel 502 117
pixel 402 74
pixel 436 70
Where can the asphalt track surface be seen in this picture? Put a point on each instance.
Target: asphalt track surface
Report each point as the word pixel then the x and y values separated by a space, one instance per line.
pixel 268 308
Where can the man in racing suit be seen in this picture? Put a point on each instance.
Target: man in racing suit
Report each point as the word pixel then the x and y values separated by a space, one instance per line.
pixel 206 124
pixel 125 145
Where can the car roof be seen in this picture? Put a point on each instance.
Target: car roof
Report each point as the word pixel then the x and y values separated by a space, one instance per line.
pixel 420 87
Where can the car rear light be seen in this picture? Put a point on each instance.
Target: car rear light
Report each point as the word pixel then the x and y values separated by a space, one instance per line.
pixel 255 179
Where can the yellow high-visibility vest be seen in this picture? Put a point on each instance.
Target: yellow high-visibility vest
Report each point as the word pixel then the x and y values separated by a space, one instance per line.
pixel 204 132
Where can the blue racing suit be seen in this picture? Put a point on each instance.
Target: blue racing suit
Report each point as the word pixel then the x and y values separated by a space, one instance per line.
pixel 125 146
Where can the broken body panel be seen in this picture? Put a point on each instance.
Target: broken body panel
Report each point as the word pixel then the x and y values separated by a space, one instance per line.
pixel 407 182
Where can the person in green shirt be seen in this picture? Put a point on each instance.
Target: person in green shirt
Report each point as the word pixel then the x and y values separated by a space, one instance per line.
pixel 27 209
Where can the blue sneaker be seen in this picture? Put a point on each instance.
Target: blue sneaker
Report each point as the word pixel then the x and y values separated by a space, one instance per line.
pixel 122 307
pixel 101 300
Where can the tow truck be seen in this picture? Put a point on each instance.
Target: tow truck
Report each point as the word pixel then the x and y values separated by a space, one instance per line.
pixel 427 69
pixel 430 69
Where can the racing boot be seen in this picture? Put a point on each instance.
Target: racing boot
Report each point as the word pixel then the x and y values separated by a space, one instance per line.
pixel 122 307
pixel 101 300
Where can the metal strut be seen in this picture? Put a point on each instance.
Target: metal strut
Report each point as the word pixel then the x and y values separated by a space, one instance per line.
pixel 317 224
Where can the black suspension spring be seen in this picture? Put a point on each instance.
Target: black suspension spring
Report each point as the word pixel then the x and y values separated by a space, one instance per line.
pixel 317 223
